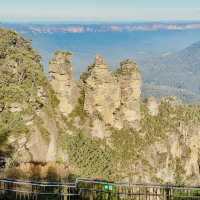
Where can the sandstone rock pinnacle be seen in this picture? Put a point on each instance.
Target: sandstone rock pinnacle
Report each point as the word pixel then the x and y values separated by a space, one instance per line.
pixel 130 81
pixel 115 98
pixel 62 81
pixel 102 92
pixel 99 60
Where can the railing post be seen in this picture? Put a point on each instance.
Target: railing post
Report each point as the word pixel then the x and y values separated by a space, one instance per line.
pixel 167 191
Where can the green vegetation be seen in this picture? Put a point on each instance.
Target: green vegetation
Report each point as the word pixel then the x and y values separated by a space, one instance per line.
pixel 188 194
pixel 92 157
pixel 109 158
pixel 23 87
pixel 79 109
pixel 179 172
pixel 127 147
pixel 169 119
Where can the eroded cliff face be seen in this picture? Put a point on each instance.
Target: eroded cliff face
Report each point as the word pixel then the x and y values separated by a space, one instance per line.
pixel 176 159
pixel 29 106
pixel 95 127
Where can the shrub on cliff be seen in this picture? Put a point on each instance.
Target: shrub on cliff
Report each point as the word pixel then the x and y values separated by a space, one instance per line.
pixel 23 86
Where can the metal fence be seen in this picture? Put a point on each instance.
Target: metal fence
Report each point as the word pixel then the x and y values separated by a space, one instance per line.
pixel 84 189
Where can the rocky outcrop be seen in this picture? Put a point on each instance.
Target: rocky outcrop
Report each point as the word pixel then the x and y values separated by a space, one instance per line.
pixel 28 105
pixel 114 98
pixel 62 81
pixel 130 81
pixel 175 159
pixel 101 91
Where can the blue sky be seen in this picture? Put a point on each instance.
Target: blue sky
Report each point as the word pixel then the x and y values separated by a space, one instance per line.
pixel 103 10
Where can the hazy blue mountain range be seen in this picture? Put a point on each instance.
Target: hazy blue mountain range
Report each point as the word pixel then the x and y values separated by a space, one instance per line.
pixel 180 71
pixel 72 27
pixel 168 53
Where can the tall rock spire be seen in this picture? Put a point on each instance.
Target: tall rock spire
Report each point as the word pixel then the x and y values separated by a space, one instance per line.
pixel 102 94
pixel 130 81
pixel 62 81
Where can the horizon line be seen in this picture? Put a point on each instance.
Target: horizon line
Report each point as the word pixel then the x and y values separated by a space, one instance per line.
pixel 97 21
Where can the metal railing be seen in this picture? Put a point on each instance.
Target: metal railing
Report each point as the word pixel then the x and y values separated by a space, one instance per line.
pixel 85 189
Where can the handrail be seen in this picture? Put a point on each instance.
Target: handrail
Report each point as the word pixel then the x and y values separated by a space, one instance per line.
pixel 42 184
pixel 86 180
pixel 76 184
pixel 90 186
pixel 118 184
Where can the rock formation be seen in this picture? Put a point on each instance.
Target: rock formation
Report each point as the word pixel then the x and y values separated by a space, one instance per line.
pixel 115 98
pixel 28 126
pixel 130 81
pixel 98 127
pixel 62 81
pixel 101 91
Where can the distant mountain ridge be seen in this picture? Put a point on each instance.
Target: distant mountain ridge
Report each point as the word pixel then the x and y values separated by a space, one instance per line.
pixel 180 70
pixel 101 27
